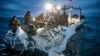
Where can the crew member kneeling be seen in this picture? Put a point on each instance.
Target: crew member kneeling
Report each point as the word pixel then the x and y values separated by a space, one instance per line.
pixel 14 23
pixel 31 32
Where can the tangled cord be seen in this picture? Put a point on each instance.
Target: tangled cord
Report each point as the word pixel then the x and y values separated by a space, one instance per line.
pixel 13 43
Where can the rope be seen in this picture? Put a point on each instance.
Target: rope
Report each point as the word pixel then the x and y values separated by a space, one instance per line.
pixel 51 34
pixel 45 38
pixel 12 43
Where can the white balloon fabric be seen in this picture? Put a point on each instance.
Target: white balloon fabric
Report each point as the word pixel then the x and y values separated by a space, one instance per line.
pixel 18 40
pixel 52 40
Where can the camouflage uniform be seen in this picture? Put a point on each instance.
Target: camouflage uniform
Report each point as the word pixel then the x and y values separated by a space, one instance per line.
pixel 27 18
pixel 14 23
pixel 31 32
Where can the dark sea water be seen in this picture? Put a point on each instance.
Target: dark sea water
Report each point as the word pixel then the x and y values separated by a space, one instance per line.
pixel 92 37
pixel 91 27
pixel 4 25
pixel 86 42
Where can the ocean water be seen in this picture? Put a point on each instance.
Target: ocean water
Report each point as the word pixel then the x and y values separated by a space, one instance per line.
pixel 91 37
pixel 91 30
pixel 4 25
pixel 92 27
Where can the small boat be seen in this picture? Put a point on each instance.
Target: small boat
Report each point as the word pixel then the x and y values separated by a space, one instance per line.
pixel 52 40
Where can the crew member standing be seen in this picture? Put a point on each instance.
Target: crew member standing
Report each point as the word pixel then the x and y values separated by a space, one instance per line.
pixel 27 18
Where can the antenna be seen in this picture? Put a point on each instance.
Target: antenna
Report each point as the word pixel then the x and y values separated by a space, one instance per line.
pixel 69 1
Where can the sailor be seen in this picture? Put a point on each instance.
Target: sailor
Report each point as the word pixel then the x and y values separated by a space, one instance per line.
pixel 31 31
pixel 63 20
pixel 14 23
pixel 27 18
pixel 65 17
pixel 40 20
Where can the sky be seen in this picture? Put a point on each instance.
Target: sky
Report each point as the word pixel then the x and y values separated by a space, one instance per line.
pixel 9 8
